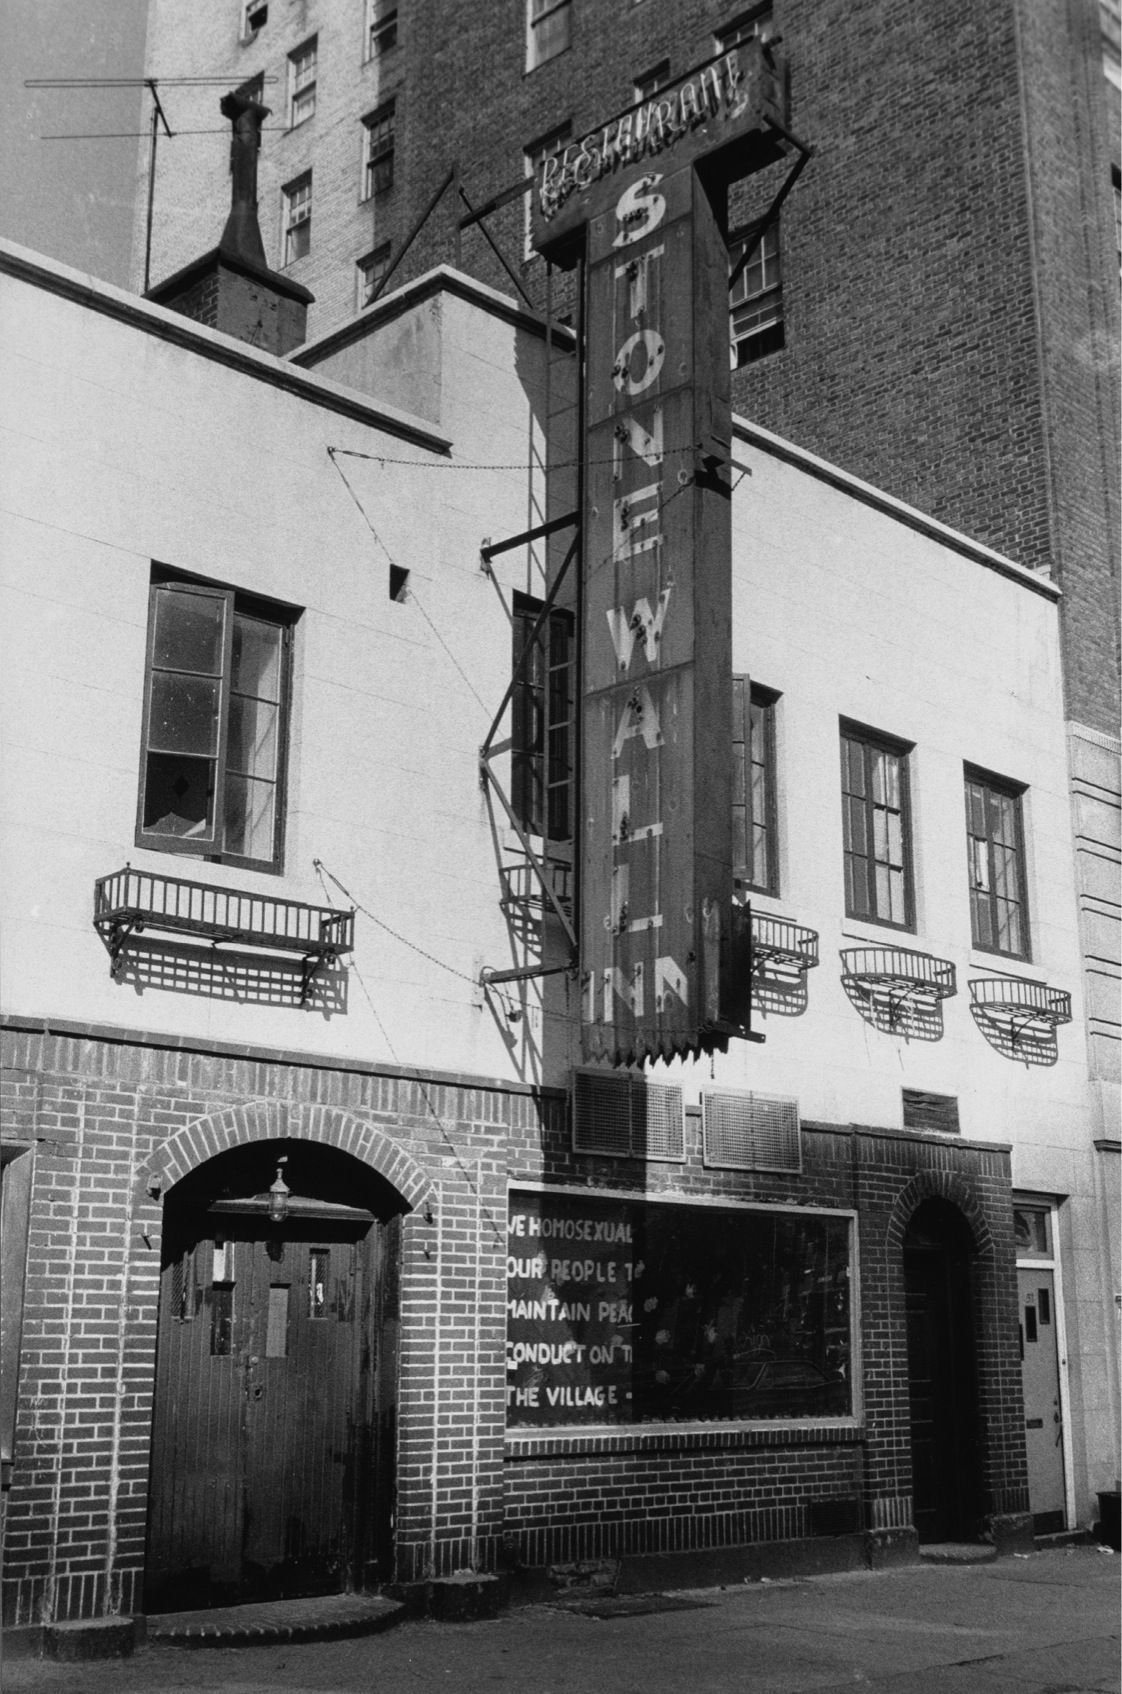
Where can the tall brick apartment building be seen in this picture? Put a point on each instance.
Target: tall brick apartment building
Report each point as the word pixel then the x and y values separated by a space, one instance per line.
pixel 328 1264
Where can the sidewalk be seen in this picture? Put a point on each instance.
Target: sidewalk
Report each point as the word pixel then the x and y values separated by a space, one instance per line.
pixel 1043 1624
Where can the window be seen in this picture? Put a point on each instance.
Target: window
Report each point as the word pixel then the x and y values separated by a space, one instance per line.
pixel 711 1312
pixel 297 218
pixel 745 27
pixel 213 756
pixel 381 35
pixel 542 727
pixel 535 156
pixel 377 175
pixel 754 863
pixel 995 846
pixel 302 84
pixel 549 29
pixel 756 301
pixel 371 272
pixel 875 826
pixel 254 19
pixel 648 85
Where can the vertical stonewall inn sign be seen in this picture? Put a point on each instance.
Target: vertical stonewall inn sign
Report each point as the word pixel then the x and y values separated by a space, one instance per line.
pixel 642 199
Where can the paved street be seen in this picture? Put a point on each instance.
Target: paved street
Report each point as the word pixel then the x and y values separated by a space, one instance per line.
pixel 1045 1624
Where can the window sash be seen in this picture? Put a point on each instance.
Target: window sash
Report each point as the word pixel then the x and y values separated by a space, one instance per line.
pixel 754 861
pixel 302 85
pixel 379 153
pixel 236 779
pixel 371 270
pixel 549 30
pixel 382 34
pixel 543 721
pixel 996 869
pixel 297 221
pixel 876 831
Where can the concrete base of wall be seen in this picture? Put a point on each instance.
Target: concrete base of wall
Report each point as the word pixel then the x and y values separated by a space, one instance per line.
pixel 1011 1533
pixel 92 1638
pixel 887 1547
pixel 710 1567
pixel 462 1598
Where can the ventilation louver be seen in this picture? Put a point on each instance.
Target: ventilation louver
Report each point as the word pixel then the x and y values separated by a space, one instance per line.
pixel 623 1116
pixel 753 1132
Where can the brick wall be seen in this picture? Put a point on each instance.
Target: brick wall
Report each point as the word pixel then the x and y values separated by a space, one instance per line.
pixel 949 272
pixel 116 1122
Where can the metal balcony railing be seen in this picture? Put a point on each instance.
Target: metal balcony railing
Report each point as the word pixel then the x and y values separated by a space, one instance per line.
pixel 130 902
pixel 1020 1002
pixel 898 985
pixel 782 947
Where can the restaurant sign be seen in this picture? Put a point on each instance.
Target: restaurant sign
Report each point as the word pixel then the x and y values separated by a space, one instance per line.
pixel 646 194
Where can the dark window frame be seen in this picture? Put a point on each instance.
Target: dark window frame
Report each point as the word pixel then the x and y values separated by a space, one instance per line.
pixel 291 240
pixel 742 27
pixel 379 168
pixel 298 91
pixel 546 10
pixel 651 81
pixel 761 312
pixel 876 741
pixel 533 729
pixel 285 618
pixel 992 784
pixel 381 30
pixel 746 696
pixel 366 267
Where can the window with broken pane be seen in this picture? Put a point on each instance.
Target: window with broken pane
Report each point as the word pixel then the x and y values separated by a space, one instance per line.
pixel 995 852
pixel 878 882
pixel 214 724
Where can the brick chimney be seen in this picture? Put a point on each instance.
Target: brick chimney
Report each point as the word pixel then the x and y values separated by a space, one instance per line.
pixel 231 288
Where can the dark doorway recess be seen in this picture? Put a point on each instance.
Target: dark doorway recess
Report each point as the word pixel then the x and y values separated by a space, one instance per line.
pixel 273 1428
pixel 942 1374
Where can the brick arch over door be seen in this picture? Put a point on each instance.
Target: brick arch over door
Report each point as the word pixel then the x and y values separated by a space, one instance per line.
pixel 235 1126
pixel 940 1185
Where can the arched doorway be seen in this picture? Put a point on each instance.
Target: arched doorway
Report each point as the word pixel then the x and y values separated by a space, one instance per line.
pixel 273 1426
pixel 942 1374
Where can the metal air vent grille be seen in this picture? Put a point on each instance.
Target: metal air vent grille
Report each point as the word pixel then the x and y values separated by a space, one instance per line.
pixel 623 1116
pixel 751 1131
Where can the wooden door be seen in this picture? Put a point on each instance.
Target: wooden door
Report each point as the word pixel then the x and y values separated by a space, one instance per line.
pixel 1040 1376
pixel 265 1479
pixel 942 1391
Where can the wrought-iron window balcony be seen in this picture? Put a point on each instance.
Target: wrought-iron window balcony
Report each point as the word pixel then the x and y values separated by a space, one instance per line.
pixel 131 902
pixel 898 985
pixel 1020 1003
pixel 782 948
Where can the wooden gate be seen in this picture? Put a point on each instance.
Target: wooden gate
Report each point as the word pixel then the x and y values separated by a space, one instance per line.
pixel 273 1425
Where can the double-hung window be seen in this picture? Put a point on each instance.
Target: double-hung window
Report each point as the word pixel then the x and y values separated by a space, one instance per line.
pixel 215 707
pixel 875 824
pixel 542 728
pixel 381 32
pixel 297 218
pixel 549 30
pixel 371 272
pixel 996 857
pixel 648 84
pixel 534 157
pixel 756 300
pixel 377 174
pixel 754 859
pixel 302 84
pixel 746 26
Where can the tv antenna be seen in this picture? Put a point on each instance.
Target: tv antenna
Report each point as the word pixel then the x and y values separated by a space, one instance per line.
pixel 152 84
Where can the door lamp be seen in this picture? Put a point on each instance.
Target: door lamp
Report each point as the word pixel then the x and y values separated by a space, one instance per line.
pixel 278 1196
